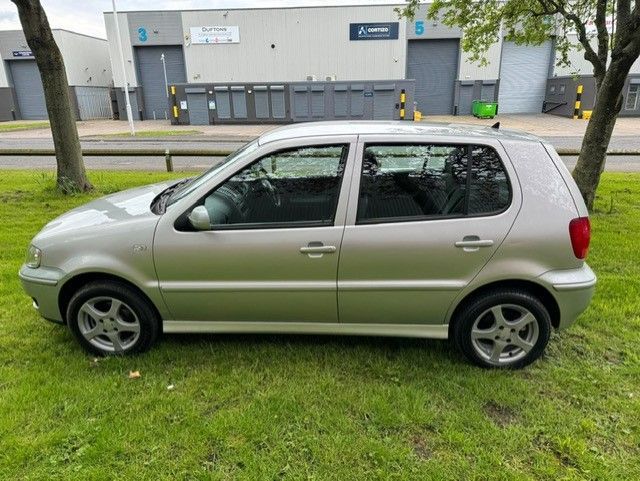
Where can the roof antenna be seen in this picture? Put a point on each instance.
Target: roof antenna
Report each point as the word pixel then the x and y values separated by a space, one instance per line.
pixel 496 125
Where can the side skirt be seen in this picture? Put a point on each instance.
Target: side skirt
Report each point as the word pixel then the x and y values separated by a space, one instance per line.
pixel 438 331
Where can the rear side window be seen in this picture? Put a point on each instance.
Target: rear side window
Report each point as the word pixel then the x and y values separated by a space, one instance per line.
pixel 424 181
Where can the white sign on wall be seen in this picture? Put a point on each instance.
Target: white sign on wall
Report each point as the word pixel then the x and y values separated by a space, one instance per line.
pixel 215 34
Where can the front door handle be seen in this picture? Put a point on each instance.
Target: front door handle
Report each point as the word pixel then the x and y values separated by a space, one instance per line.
pixel 317 249
pixel 475 243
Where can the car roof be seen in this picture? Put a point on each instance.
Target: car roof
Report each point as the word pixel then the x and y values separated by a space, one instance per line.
pixel 364 127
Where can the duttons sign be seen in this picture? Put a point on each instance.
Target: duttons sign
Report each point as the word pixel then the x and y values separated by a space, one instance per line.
pixel 219 34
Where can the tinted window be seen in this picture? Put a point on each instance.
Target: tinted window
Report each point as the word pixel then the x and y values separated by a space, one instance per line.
pixel 409 182
pixel 294 187
pixel 489 190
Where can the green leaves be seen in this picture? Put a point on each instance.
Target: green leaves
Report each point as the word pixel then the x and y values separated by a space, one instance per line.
pixel 523 21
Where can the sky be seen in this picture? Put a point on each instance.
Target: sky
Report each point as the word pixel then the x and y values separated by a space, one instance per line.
pixel 86 16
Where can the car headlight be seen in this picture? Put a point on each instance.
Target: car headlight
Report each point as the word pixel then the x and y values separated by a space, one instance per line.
pixel 34 256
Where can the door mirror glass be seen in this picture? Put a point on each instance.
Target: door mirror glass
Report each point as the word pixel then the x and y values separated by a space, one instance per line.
pixel 199 218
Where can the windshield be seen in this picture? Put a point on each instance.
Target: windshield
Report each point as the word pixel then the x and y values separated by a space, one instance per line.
pixel 196 182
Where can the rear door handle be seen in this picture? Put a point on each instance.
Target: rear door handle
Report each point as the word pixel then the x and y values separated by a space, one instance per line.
pixel 317 249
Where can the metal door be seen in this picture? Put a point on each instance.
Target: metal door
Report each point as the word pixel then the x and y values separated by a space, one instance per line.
pixel 93 102
pixel 409 272
pixel 524 70
pixel 28 87
pixel 434 66
pixel 151 77
pixel 198 108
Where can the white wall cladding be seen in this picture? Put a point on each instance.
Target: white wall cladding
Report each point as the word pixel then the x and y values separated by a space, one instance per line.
pixel 579 65
pixel 86 59
pixel 474 71
pixel 114 54
pixel 308 41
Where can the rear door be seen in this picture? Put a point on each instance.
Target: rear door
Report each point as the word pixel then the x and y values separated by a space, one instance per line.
pixel 422 223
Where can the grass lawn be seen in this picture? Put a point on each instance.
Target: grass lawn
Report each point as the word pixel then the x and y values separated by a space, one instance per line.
pixel 15 126
pixel 272 407
pixel 155 133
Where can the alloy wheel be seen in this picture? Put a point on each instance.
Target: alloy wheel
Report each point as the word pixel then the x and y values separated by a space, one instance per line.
pixel 108 324
pixel 504 333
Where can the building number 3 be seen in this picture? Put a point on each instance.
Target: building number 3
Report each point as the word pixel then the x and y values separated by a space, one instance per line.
pixel 419 27
pixel 142 34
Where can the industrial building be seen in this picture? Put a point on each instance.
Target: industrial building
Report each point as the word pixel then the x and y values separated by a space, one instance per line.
pixel 88 71
pixel 294 64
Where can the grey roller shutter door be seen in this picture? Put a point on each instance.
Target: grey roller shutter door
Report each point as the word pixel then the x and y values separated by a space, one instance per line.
pixel 151 77
pixel 523 77
pixel 434 66
pixel 277 101
pixel 198 109
pixel 29 91
pixel 223 102
pixel 261 100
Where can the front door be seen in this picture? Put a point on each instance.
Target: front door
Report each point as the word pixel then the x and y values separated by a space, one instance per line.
pixel 272 251
pixel 424 222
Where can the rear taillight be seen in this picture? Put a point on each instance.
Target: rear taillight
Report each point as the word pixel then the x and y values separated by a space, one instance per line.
pixel 580 233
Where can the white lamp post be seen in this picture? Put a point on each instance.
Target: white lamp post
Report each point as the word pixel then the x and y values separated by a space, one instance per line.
pixel 124 72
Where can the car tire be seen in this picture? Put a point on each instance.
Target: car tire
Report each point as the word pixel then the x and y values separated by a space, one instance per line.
pixel 111 318
pixel 505 329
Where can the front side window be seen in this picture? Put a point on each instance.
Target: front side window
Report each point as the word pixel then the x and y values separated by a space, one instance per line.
pixel 633 93
pixel 414 182
pixel 298 187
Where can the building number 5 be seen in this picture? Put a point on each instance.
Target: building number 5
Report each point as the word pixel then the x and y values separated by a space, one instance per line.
pixel 419 27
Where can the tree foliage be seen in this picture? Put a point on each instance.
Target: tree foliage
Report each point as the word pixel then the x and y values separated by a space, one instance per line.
pixel 575 24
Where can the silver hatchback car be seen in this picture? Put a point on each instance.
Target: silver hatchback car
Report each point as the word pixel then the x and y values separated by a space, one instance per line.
pixel 423 230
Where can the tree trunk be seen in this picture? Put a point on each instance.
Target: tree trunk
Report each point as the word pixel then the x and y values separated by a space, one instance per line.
pixel 71 175
pixel 598 134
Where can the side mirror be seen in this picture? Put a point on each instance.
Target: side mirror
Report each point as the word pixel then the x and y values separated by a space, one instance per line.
pixel 199 218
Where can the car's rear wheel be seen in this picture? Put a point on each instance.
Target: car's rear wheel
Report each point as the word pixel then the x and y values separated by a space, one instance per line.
pixel 502 329
pixel 111 318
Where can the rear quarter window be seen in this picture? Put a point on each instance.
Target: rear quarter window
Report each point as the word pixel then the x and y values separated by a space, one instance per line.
pixel 490 190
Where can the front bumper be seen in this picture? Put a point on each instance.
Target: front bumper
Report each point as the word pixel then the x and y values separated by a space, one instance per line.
pixel 43 286
pixel 572 290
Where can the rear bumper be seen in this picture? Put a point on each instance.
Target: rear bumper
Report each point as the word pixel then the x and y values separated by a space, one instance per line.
pixel 572 289
pixel 43 286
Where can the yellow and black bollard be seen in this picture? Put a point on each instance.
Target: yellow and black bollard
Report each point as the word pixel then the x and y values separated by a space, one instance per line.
pixel 174 102
pixel 403 98
pixel 576 107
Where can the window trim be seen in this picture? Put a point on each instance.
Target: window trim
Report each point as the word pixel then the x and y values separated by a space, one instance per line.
pixel 427 218
pixel 181 220
pixel 637 92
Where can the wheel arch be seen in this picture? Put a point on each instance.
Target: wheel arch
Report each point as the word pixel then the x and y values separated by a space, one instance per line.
pixel 533 288
pixel 72 285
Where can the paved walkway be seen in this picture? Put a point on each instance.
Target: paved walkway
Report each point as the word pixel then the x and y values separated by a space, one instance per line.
pixel 540 124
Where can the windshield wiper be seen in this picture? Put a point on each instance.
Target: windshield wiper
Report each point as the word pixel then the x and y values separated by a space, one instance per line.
pixel 160 202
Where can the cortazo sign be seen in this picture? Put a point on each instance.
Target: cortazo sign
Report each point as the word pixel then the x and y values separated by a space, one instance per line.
pixel 373 31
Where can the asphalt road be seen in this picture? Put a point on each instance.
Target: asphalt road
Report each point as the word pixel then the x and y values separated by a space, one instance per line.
pixel 614 163
pixel 572 142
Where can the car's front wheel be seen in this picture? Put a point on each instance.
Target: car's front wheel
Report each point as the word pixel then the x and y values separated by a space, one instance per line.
pixel 111 318
pixel 503 329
